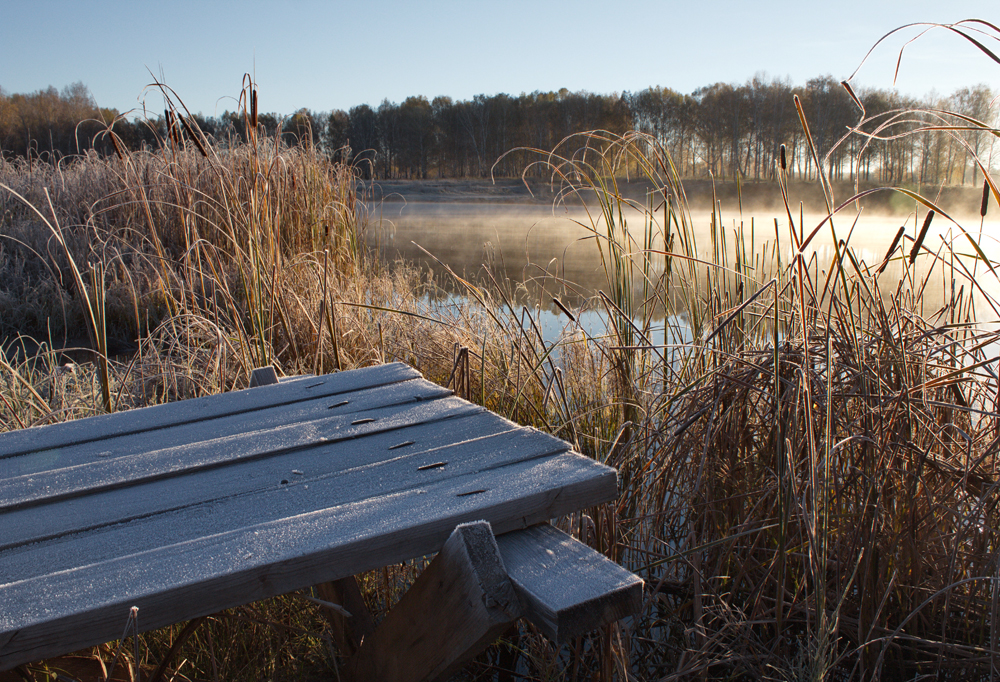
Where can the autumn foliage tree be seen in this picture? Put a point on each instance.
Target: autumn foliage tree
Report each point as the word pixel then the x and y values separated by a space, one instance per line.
pixel 52 124
pixel 724 130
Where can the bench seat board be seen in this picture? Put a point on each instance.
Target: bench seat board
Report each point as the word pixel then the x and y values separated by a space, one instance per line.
pixel 567 588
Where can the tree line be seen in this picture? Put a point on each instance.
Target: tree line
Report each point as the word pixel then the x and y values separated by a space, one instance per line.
pixel 724 130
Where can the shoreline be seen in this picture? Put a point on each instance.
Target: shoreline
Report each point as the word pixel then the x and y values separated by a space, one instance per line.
pixel 957 201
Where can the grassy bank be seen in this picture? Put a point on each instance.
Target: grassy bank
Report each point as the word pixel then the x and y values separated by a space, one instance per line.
pixel 809 487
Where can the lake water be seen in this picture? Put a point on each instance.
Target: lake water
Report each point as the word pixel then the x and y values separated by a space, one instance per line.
pixel 555 255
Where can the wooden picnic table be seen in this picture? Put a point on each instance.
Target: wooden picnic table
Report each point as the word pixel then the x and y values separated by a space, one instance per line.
pixel 188 508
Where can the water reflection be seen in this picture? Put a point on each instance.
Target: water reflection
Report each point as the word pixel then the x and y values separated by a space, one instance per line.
pixel 539 252
pixel 519 243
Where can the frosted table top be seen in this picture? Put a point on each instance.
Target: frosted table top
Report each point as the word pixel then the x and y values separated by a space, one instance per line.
pixel 192 507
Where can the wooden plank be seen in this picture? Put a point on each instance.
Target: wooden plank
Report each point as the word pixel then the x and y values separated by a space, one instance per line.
pixel 107 473
pixel 431 454
pixel 86 604
pixel 34 439
pixel 567 588
pixel 54 535
pixel 457 607
pixel 350 402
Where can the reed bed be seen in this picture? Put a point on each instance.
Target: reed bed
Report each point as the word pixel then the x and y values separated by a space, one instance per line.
pixel 809 483
pixel 807 457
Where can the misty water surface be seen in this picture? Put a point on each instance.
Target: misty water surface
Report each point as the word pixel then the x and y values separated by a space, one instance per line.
pixel 549 251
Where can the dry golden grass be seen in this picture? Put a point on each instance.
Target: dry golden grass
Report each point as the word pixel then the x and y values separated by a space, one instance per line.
pixel 807 459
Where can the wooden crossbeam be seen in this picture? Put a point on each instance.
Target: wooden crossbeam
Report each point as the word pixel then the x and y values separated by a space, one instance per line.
pixel 459 605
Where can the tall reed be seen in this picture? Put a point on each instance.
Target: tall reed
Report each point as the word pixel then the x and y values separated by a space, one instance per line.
pixel 809 478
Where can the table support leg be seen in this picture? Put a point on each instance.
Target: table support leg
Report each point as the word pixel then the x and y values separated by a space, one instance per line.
pixel 348 633
pixel 457 607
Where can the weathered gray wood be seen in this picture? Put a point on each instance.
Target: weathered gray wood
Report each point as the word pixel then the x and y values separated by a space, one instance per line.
pixel 417 463
pixel 107 473
pixel 186 511
pixel 567 588
pixel 177 509
pixel 125 447
pixel 348 632
pixel 43 615
pixel 460 604
pixel 61 435
pixel 120 536
pixel 263 376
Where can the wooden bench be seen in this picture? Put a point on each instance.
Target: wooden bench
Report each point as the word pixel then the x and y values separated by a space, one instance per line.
pixel 189 508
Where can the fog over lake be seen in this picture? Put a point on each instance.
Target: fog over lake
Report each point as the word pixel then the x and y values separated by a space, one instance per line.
pixel 547 246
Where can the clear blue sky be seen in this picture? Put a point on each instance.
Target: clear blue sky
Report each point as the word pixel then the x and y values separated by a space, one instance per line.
pixel 327 55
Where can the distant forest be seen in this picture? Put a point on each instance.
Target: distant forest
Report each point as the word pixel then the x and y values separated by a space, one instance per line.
pixel 723 129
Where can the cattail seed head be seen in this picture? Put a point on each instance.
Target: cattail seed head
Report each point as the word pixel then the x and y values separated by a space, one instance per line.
pixel 920 237
pixel 172 133
pixel 986 199
pixel 194 138
pixel 559 304
pixel 892 249
pixel 784 165
pixel 118 148
pixel 854 97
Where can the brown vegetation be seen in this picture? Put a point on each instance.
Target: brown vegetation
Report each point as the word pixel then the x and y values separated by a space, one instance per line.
pixel 808 456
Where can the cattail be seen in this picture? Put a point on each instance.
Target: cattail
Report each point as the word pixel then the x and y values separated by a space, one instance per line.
pixel 194 138
pixel 986 199
pixel 892 249
pixel 172 132
pixel 781 149
pixel 857 100
pixel 920 237
pixel 559 304
pixel 117 145
pixel 253 107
